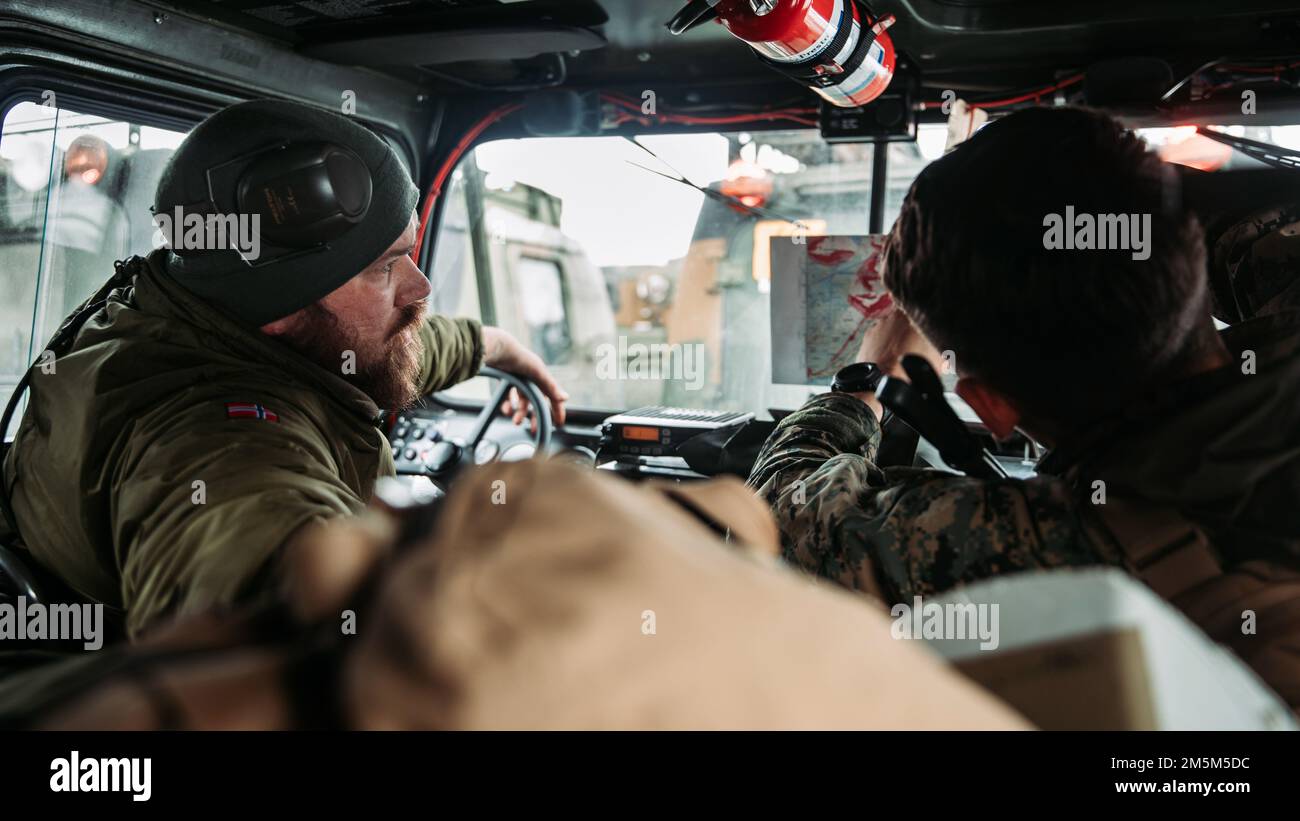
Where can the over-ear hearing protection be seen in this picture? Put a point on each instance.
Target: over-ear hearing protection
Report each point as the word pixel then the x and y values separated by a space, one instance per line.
pixel 305 194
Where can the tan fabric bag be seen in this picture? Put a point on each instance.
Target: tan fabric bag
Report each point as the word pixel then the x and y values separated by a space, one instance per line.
pixel 584 601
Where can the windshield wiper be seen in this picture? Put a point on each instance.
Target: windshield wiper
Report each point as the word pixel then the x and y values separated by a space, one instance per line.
pixel 736 202
pixel 1267 153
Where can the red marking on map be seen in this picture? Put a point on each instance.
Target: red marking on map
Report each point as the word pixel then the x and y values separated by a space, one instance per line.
pixel 867 296
pixel 876 302
pixel 830 257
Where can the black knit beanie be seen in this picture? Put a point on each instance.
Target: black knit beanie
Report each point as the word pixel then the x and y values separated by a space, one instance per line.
pixel 285 283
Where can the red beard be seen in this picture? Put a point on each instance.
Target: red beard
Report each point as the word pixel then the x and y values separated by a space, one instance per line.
pixel 388 373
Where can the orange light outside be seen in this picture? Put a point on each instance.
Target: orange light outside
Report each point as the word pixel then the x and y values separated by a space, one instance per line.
pixel 1186 147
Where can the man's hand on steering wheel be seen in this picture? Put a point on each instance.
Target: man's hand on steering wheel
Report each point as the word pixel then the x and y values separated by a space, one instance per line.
pixel 501 350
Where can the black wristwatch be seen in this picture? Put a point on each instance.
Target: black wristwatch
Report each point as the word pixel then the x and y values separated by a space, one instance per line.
pixel 860 377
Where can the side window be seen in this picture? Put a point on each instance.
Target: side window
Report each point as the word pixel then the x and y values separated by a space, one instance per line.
pixel 453 277
pixel 75 192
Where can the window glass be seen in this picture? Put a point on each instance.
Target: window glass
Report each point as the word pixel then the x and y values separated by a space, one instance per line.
pixel 75 191
pixel 638 288
pixel 588 249
pixel 455 286
pixel 906 161
pixel 1181 144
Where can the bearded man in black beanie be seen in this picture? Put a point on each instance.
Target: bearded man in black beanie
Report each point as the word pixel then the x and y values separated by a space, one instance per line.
pixel 228 393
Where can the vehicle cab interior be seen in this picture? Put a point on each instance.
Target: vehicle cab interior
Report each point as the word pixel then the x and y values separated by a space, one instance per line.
pixel 682 227
pixel 605 189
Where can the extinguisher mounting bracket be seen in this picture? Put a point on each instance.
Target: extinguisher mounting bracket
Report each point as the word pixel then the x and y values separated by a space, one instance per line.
pixel 891 117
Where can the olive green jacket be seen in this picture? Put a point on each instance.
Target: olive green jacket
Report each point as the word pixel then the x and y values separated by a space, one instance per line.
pixel 133 484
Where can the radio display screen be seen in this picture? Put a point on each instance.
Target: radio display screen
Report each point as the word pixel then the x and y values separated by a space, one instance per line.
pixel 640 433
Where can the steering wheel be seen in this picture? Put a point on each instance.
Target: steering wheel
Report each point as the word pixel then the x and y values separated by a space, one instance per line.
pixel 444 458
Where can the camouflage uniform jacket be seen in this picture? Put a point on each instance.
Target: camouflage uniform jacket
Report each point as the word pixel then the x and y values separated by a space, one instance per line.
pixel 1223 448
pixel 898 532
pixel 1218 453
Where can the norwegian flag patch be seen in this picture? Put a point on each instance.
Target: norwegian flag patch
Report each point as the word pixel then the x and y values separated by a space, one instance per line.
pixel 249 410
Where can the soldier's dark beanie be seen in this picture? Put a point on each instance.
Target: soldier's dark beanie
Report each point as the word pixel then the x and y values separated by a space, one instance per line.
pixel 274 290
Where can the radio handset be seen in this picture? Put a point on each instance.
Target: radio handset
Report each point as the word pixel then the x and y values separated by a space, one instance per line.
pixel 921 404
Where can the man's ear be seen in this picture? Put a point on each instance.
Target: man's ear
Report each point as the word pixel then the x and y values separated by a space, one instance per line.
pixel 997 411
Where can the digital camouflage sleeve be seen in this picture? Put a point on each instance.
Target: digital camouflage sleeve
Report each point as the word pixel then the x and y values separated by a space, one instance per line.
pixel 901 532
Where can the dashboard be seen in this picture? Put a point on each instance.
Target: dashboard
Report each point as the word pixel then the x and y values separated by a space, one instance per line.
pixel 421 438
pixel 415 437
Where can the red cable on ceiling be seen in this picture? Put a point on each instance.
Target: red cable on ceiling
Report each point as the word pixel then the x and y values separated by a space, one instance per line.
pixel 1033 95
pixel 435 188
pixel 799 115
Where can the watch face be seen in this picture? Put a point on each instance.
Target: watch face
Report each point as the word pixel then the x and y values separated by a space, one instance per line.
pixel 856 378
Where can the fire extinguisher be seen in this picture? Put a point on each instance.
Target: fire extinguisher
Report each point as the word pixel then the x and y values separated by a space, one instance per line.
pixel 838 48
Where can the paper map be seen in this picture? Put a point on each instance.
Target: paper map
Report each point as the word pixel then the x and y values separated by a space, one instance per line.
pixel 825 294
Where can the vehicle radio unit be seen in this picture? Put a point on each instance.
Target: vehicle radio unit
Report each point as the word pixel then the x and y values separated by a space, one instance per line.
pixel 655 432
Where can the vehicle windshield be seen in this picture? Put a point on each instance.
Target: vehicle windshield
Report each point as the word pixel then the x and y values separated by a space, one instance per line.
pixel 639 289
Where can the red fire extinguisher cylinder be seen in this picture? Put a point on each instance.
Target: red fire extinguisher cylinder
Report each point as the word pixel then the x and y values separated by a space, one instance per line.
pixel 817 42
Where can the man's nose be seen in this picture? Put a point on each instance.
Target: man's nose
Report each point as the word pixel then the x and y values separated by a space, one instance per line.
pixel 414 285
